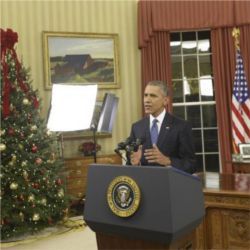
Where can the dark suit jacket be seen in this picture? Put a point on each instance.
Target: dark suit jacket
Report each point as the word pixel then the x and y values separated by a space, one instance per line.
pixel 175 141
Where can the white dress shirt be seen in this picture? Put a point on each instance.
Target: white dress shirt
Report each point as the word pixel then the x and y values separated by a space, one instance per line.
pixel 160 119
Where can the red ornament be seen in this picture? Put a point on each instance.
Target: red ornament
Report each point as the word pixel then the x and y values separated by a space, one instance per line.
pixel 21 198
pixel 34 148
pixel 39 161
pixel 35 185
pixel 11 131
pixel 50 221
pixel 59 181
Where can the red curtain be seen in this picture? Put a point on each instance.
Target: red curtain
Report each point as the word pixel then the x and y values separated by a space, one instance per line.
pixel 224 60
pixel 155 61
pixel 157 18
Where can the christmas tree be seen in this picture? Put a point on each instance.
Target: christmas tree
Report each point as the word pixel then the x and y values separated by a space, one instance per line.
pixel 32 190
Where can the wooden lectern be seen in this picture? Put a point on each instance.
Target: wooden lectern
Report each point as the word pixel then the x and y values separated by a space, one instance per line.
pixel 165 211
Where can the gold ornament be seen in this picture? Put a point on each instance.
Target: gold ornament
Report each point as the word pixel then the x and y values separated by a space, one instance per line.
pixel 25 175
pixel 20 146
pixel 31 197
pixel 34 128
pixel 36 217
pixel 21 216
pixel 2 132
pixel 13 186
pixel 13 158
pixel 26 101
pixel 49 133
pixel 2 147
pixel 24 164
pixel 11 163
pixel 60 193
pixel 44 201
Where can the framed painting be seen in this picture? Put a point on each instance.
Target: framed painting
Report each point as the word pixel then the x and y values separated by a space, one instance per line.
pixel 81 58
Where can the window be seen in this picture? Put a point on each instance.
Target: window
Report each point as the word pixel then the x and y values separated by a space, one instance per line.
pixel 193 93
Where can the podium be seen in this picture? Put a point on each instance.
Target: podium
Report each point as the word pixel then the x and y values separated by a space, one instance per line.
pixel 143 207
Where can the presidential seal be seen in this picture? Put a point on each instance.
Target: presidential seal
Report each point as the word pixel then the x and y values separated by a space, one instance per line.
pixel 123 196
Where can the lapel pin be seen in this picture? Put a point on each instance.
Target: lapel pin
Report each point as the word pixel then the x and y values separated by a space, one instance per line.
pixel 167 127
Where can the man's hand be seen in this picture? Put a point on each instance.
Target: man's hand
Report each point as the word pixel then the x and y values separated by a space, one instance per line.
pixel 154 155
pixel 136 156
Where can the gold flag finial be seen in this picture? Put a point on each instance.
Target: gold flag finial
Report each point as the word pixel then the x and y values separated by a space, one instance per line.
pixel 236 35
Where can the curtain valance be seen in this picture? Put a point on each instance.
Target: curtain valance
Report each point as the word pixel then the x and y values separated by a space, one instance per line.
pixel 156 16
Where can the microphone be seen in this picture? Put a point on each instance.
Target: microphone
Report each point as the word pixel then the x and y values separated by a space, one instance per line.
pixel 129 145
pixel 134 145
pixel 122 145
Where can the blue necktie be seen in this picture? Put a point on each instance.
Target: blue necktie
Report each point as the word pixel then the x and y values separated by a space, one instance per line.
pixel 154 132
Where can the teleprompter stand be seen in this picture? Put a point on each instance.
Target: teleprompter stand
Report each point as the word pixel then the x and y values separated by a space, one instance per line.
pixel 171 207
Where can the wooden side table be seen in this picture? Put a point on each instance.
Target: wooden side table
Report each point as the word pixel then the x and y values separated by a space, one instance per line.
pixel 76 170
pixel 242 167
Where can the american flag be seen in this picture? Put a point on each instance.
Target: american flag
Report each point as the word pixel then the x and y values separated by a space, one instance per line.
pixel 240 106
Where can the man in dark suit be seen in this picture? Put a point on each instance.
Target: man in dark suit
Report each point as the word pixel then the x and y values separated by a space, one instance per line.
pixel 166 139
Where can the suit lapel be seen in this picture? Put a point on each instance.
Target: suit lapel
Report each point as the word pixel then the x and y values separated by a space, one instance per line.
pixel 165 129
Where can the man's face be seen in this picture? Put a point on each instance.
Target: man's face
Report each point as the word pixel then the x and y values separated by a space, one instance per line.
pixel 154 100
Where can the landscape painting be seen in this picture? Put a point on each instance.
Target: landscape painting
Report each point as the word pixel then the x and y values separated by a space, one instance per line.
pixel 81 59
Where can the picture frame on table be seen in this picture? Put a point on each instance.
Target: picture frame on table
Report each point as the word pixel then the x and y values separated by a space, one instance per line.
pixel 81 58
pixel 245 150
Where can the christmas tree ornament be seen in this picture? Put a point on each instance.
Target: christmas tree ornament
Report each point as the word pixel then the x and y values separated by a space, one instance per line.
pixel 31 135
pixel 61 193
pixel 34 148
pixel 50 221
pixel 33 128
pixel 44 201
pixel 21 215
pixel 35 185
pixel 21 198
pixel 49 133
pixel 11 163
pixel 25 174
pixel 59 181
pixel 2 132
pixel 2 146
pixel 24 163
pixel 26 101
pixel 21 135
pixel 31 197
pixel 11 131
pixel 20 146
pixel 39 161
pixel 13 158
pixel 36 217
pixel 13 186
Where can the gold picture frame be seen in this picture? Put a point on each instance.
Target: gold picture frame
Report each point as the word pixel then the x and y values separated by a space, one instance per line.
pixel 81 58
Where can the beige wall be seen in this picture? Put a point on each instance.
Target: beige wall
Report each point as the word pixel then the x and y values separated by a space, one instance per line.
pixel 30 18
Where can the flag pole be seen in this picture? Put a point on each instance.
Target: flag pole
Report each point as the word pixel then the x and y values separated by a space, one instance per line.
pixel 236 35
